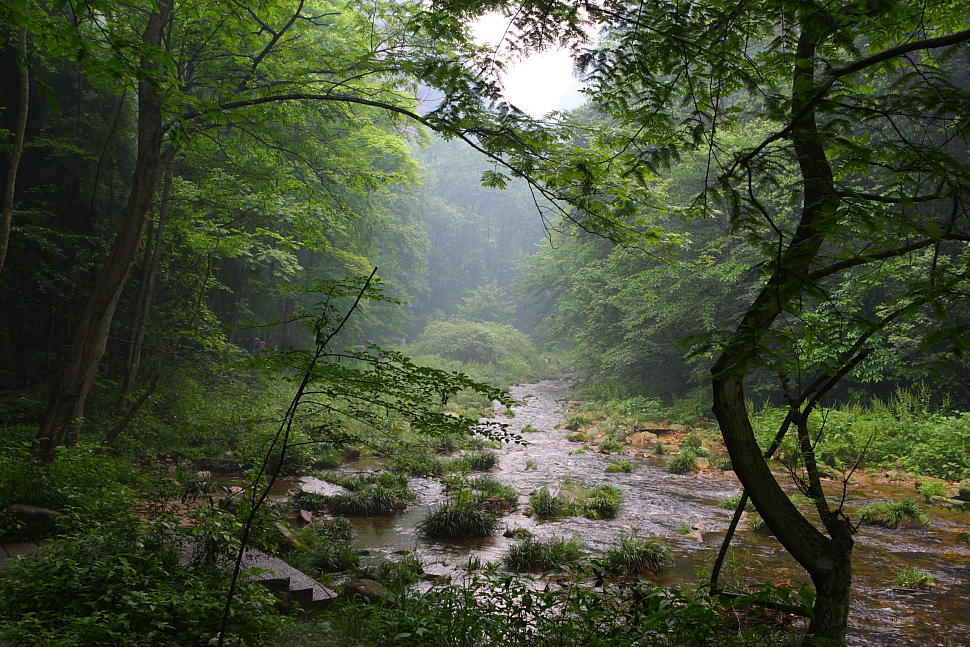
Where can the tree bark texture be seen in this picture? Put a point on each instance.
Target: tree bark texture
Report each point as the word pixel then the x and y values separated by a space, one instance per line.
pixel 80 366
pixel 23 78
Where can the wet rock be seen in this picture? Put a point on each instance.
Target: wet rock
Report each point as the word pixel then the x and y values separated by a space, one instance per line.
pixel 369 590
pixel 964 492
pixel 642 439
pixel 36 522
pixel 517 533
pixel 313 485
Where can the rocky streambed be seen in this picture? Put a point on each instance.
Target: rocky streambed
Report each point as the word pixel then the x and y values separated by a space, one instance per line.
pixel 683 510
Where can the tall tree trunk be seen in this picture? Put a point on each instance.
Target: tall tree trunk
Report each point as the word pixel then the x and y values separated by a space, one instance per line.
pixel 827 559
pixel 146 290
pixel 6 213
pixel 63 418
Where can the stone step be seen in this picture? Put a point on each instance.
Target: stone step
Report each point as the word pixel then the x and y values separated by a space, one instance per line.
pixel 286 581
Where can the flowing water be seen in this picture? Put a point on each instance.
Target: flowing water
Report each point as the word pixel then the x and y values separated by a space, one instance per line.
pixel 658 504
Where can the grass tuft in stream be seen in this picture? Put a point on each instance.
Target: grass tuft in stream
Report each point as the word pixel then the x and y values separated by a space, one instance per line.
pixel 891 513
pixel 913 578
pixel 458 521
pixel 623 465
pixel 634 556
pixel 535 555
pixel 683 463
pixel 370 501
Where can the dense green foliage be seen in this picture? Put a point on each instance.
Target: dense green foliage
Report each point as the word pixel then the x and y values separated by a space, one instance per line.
pixel 122 582
pixel 485 605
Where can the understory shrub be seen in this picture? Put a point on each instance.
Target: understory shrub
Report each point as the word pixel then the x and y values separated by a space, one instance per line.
pixel 902 431
pixel 127 583
pixel 489 607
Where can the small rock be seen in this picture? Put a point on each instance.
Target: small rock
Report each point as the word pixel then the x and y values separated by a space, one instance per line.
pixel 37 522
pixel 703 463
pixel 370 590
pixel 964 493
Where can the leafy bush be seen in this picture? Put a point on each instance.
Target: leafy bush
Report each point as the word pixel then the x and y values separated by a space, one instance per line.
pixel 124 583
pixel 683 463
pixel 722 463
pixel 576 437
pixel 458 521
pixel 531 465
pixel 494 345
pixel 633 556
pixel 492 607
pixel 890 513
pixel 535 555
pixel 913 578
pixel 529 429
pixel 930 489
pixel 621 465
pixel 81 479
pixel 901 431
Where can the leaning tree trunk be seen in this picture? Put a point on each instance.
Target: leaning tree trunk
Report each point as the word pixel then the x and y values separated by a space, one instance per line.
pixel 146 290
pixel 6 213
pixel 827 559
pixel 64 414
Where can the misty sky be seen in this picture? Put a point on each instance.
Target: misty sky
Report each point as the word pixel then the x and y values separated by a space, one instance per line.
pixel 538 84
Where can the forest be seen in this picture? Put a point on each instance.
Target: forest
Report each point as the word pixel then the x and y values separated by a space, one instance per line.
pixel 312 334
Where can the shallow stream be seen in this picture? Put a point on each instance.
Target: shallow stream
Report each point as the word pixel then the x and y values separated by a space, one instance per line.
pixel 658 504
